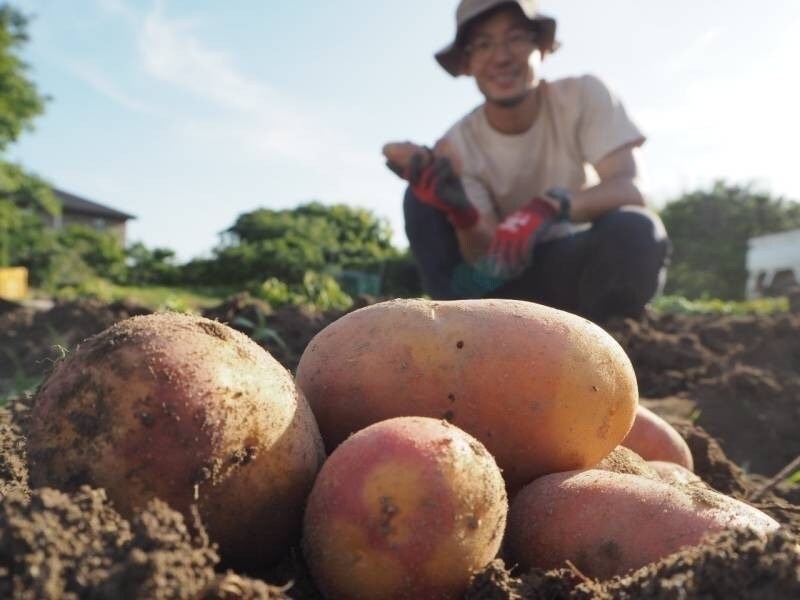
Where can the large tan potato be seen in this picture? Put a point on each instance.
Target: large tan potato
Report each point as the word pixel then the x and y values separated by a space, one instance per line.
pixel 542 389
pixel 608 523
pixel 187 410
pixel 406 508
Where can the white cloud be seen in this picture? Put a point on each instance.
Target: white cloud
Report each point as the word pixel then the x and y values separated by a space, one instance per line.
pixel 255 117
pixel 99 82
pixel 733 126
pixel 118 8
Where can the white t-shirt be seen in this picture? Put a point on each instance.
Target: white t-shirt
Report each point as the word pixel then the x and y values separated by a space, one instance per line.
pixel 580 121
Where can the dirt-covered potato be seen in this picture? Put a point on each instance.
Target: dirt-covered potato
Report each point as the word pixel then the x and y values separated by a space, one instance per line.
pixel 542 389
pixel 653 438
pixel 407 508
pixel 608 523
pixel 400 153
pixel 187 410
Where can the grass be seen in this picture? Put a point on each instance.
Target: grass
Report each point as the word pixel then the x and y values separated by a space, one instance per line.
pixel 715 306
pixel 189 299
pixel 180 299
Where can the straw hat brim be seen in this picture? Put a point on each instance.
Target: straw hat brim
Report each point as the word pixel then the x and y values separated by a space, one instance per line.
pixel 451 57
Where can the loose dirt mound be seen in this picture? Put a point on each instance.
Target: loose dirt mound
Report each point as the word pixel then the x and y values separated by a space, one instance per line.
pixel 730 385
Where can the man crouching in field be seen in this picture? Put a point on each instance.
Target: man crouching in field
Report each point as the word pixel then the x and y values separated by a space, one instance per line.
pixel 502 207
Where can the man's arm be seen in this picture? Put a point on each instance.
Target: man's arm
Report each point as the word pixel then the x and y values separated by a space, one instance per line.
pixel 620 185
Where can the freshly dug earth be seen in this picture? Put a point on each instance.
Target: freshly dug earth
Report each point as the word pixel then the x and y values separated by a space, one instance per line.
pixel 730 385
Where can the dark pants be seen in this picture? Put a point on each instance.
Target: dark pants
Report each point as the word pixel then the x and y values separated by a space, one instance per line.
pixel 613 268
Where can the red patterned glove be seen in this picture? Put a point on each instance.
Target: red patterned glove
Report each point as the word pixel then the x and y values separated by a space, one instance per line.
pixel 435 183
pixel 511 249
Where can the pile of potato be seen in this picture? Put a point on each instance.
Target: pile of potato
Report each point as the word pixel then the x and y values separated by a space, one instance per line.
pixel 434 414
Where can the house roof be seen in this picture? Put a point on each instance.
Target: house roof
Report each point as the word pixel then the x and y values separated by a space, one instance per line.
pixel 76 204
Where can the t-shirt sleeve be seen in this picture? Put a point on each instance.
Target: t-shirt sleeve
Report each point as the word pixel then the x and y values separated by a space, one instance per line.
pixel 604 124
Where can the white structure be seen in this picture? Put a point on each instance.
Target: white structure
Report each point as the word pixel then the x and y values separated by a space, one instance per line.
pixel 773 263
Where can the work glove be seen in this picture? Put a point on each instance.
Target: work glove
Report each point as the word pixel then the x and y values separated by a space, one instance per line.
pixel 434 182
pixel 511 249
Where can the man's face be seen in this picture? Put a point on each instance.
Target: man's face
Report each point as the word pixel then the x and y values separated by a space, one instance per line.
pixel 503 58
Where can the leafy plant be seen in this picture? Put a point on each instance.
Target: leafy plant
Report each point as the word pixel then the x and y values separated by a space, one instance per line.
pixel 21 382
pixel 683 306
pixel 259 331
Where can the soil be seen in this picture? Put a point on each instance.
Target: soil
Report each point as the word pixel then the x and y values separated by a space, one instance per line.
pixel 730 385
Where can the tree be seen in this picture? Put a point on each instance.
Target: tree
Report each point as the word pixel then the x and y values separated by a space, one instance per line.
pixel 20 101
pixel 151 266
pixel 285 244
pixel 709 232
pixel 99 250
pixel 24 198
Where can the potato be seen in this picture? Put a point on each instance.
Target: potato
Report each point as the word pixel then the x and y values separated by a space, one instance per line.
pixel 400 153
pixel 187 410
pixel 409 507
pixel 609 523
pixel 673 473
pixel 542 389
pixel 652 438
pixel 625 460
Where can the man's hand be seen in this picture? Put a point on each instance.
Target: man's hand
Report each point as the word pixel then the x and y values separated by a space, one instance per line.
pixel 511 249
pixel 435 183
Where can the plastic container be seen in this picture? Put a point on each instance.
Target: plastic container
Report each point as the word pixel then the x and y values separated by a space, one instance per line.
pixel 13 283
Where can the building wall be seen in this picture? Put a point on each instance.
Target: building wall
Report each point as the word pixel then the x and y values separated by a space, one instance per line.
pixel 116 227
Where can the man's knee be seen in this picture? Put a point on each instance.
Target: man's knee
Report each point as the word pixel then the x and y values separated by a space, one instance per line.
pixel 633 224
pixel 633 231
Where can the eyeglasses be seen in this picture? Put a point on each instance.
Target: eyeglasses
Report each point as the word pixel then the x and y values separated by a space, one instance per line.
pixel 518 44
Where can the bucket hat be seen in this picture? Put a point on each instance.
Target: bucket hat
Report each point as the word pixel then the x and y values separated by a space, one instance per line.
pixel 451 56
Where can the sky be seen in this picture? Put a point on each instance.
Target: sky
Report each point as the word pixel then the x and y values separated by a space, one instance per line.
pixel 188 113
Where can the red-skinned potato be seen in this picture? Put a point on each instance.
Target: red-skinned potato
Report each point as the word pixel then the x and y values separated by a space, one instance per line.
pixel 673 473
pixel 400 153
pixel 542 389
pixel 653 438
pixel 609 523
pixel 406 508
pixel 187 410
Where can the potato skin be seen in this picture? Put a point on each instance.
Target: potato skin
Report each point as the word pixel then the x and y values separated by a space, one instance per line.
pixel 674 473
pixel 409 508
pixel 400 153
pixel 187 410
pixel 653 438
pixel 542 389
pixel 609 523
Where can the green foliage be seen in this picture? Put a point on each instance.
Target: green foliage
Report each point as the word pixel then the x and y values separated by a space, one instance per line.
pixel 87 286
pixel 20 381
pixel 709 232
pixel 318 290
pixel 287 243
pixel 25 200
pixel 92 253
pixel 275 293
pixel 259 330
pixel 20 101
pixel 683 306
pixel 151 266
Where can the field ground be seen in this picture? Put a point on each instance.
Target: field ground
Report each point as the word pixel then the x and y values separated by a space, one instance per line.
pixel 729 382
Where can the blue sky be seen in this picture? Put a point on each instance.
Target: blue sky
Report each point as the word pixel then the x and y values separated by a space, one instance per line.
pixel 187 113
